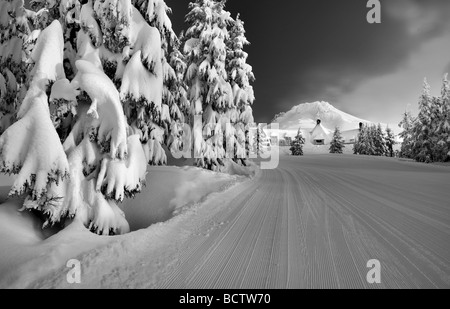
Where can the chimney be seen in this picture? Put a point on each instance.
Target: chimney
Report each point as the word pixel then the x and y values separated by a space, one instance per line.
pixel 319 121
pixel 360 125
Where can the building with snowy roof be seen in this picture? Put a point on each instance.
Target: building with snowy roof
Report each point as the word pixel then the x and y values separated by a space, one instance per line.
pixel 320 135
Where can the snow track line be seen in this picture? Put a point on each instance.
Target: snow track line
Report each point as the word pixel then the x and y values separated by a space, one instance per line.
pixel 406 218
pixel 420 240
pixel 189 257
pixel 380 223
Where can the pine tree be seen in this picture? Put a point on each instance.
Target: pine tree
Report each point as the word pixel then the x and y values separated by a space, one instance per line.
pixel 379 141
pixel 258 140
pixel 358 145
pixel 93 133
pixel 422 132
pixel 337 143
pixel 17 38
pixel 240 76
pixel 175 95
pixel 174 101
pixel 210 93
pixel 372 140
pixel 297 144
pixel 390 142
pixel 407 124
pixel 365 141
pixel 441 124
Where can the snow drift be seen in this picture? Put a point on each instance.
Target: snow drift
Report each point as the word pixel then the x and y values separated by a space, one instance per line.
pixel 27 253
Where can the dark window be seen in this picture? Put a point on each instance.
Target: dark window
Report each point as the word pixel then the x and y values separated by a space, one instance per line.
pixel 320 142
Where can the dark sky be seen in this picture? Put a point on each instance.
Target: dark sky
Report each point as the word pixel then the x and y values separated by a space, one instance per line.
pixel 309 50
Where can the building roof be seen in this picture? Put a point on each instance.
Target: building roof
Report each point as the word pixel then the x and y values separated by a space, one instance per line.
pixel 320 132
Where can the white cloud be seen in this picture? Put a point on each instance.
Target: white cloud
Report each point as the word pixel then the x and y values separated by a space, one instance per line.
pixel 421 17
pixel 384 98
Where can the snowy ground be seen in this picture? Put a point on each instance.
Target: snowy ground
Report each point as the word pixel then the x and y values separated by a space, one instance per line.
pixel 313 222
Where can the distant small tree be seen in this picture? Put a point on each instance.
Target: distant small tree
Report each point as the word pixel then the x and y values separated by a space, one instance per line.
pixel 297 144
pixel 389 140
pixel 337 143
pixel 258 140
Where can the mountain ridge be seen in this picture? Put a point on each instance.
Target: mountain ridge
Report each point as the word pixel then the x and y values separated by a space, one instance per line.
pixel 305 116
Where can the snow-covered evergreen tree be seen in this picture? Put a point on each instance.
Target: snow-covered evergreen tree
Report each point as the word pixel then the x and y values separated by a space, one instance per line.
pixel 364 145
pixel 389 140
pixel 111 111
pixel 441 124
pixel 422 132
pixel 379 141
pixel 407 124
pixel 175 95
pixel 18 33
pixel 357 146
pixel 240 76
pixel 210 93
pixel 371 140
pixel 337 142
pixel 366 142
pixel 259 140
pixel 174 101
pixel 297 144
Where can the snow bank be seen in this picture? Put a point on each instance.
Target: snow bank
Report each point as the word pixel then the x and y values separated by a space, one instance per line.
pixel 171 190
pixel 27 256
pixel 231 168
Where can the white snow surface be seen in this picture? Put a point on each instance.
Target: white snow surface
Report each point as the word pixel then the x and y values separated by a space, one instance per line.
pixel 314 222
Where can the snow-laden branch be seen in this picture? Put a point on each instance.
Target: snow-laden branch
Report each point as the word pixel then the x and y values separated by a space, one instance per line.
pixel 31 147
pixel 106 109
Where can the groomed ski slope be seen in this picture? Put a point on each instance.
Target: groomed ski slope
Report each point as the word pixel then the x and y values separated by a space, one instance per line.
pixel 314 222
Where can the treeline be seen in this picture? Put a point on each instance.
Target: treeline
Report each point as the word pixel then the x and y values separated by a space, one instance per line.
pixel 426 138
pixel 373 141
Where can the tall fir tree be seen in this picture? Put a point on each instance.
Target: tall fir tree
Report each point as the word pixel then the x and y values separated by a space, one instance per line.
pixel 19 28
pixel 337 142
pixel 441 123
pixel 210 93
pixel 176 97
pixel 94 109
pixel 390 142
pixel 297 144
pixel 379 141
pixel 259 139
pixel 240 75
pixel 407 124
pixel 358 145
pixel 422 131
pixel 367 141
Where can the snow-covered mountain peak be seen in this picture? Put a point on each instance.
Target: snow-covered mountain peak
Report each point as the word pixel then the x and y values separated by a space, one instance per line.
pixel 305 116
